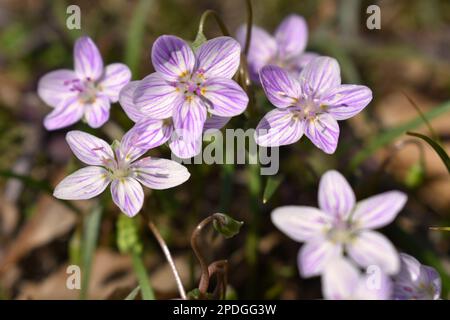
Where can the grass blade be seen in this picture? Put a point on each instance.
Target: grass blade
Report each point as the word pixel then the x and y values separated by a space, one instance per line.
pixel 272 184
pixel 436 146
pixel 141 274
pixel 132 295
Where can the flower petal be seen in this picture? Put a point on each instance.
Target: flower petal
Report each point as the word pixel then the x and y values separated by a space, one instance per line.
pixel 145 135
pixel 88 61
pixel 291 36
pixel 378 211
pixel 160 174
pixel 85 183
pixel 340 280
pixel 320 76
pixel 154 97
pixel 280 87
pixel 374 287
pixel 97 113
pixel 372 248
pixel 219 57
pixel 297 63
pixel 336 196
pixel 88 148
pixel 279 127
pixel 315 255
pixel 172 57
pixel 116 76
pixel 184 146
pixel 347 100
pixel 301 223
pixel 189 117
pixel 128 195
pixel 323 131
pixel 263 49
pixel 54 87
pixel 126 101
pixel 65 114
pixel 224 97
pixel 215 122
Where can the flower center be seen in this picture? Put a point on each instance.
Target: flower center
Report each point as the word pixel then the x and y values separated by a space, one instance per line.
pixel 340 233
pixel 120 173
pixel 87 90
pixel 192 85
pixel 307 109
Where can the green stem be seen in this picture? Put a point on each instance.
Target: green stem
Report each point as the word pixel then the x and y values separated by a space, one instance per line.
pixel 216 17
pixel 141 274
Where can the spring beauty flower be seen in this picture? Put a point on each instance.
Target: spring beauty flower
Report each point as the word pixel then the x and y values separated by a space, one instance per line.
pixel 189 87
pixel 285 49
pixel 416 281
pixel 161 131
pixel 120 167
pixel 86 92
pixel 340 224
pixel 311 104
pixel 341 280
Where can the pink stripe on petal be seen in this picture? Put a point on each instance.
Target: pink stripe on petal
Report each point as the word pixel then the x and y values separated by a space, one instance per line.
pixel 88 148
pixel 347 100
pixel 160 174
pixel 116 76
pixel 320 76
pixel 378 211
pixel 185 146
pixel 279 127
pixel 372 248
pixel 336 196
pixel 215 122
pixel 281 88
pixel 189 117
pixel 97 113
pixel 172 57
pixel 225 98
pixel 128 195
pixel 155 97
pixel 65 114
pixel 291 36
pixel 323 131
pixel 85 183
pixel 315 255
pixel 88 61
pixel 54 87
pixel 126 101
pixel 301 223
pixel 219 57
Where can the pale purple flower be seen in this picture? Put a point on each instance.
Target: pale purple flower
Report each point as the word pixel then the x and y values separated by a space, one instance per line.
pixel 341 280
pixel 120 167
pixel 416 281
pixel 189 87
pixel 311 104
pixel 285 49
pixel 340 224
pixel 162 130
pixel 86 92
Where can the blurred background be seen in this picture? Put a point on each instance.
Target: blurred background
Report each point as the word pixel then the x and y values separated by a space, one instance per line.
pixel 407 60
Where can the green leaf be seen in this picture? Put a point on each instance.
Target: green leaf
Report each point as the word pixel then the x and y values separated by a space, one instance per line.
pixel 436 146
pixel 415 175
pixel 226 225
pixel 272 184
pixel 132 295
pixel 440 228
pixel 388 136
pixel 141 274
pixel 199 40
pixel 128 239
pixel 195 294
pixel 91 228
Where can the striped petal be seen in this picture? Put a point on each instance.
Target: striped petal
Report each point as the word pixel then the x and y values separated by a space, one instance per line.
pixel 116 76
pixel 128 195
pixel 301 223
pixel 83 184
pixel 340 280
pixel 88 148
pixel 65 114
pixel 97 113
pixel 189 117
pixel 281 88
pixel 172 57
pixel 214 122
pixel 126 101
pixel 185 147
pixel 347 100
pixel 54 87
pixel 219 57
pixel 315 255
pixel 291 36
pixel 336 196
pixel 323 131
pixel 378 211
pixel 320 76
pixel 279 127
pixel 372 248
pixel 225 98
pixel 154 97
pixel 160 174
pixel 88 61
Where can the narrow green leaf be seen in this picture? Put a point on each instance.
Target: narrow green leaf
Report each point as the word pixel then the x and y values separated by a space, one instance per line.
pixel 388 136
pixel 440 228
pixel 91 228
pixel 436 146
pixel 141 274
pixel 132 295
pixel 227 226
pixel 272 184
